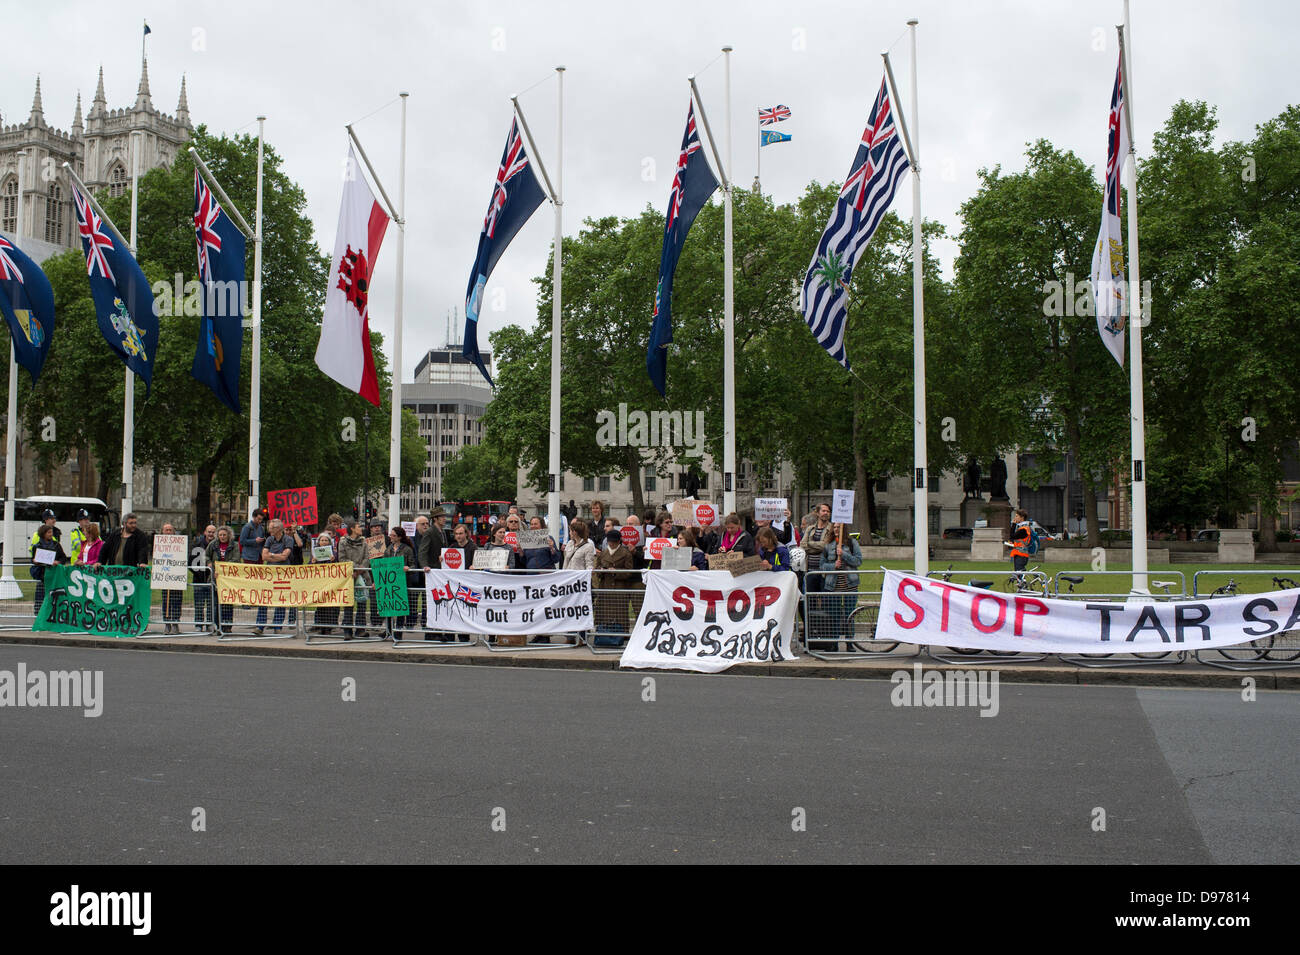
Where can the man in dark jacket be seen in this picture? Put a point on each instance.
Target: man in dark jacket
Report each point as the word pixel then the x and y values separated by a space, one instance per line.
pixel 128 546
pixel 432 543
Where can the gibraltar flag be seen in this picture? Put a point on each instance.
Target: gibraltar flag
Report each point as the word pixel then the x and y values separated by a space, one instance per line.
pixel 344 350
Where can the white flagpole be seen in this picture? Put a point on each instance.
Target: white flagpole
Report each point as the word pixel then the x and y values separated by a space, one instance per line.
pixel 395 432
pixel 128 411
pixel 921 499
pixel 9 587
pixel 758 161
pixel 255 396
pixel 1137 413
pixel 553 488
pixel 728 326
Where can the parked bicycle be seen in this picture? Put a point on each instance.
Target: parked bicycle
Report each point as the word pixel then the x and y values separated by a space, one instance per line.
pixel 1284 646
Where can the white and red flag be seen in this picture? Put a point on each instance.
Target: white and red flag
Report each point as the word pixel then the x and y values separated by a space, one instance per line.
pixel 344 351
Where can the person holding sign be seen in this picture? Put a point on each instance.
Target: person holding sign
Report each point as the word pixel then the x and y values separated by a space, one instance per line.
pixel 225 549
pixel 46 552
pixel 735 538
pixel 686 539
pixel 772 552
pixel 462 538
pixel 498 542
pixel 541 558
pixel 841 552
pixel 612 572
pixel 171 599
pixel 277 550
pixel 814 542
pixel 324 619
pixel 400 546
pixel 353 548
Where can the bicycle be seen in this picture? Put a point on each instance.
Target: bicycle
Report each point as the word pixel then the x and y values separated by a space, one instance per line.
pixel 1265 647
pixel 1242 651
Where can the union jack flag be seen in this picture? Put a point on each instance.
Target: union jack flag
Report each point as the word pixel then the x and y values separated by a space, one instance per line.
pixel 774 114
pixel 465 595
pixel 206 213
pixel 691 146
pixel 92 232
pixel 8 267
pixel 878 168
pixel 512 163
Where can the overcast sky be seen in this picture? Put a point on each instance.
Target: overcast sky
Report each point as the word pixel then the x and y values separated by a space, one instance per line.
pixel 993 75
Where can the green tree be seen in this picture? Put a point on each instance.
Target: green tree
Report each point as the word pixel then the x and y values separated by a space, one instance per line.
pixel 480 472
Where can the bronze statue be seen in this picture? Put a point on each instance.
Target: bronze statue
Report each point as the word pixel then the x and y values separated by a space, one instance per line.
pixel 998 481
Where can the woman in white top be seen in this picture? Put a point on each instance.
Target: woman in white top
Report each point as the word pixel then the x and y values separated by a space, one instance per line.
pixel 579 553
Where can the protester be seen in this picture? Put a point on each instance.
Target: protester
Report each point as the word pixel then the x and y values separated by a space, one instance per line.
pixel 171 599
pixel 613 572
pixel 325 619
pixel 277 550
pixel 1021 533
pixel 127 546
pixel 784 533
pixel 334 524
pixel 202 574
pixel 813 543
pixel 597 522
pixel 541 558
pixel 735 538
pixel 45 541
pixel 353 548
pixel 774 554
pixel 91 546
pixel 252 538
pixel 224 549
pixel 461 537
pixel 498 542
pixel 579 553
pixel 699 561
pixel 400 546
pixel 840 553
pixel 432 542
pixel 79 534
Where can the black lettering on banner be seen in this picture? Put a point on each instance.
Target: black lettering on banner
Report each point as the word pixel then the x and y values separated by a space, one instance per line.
pixel 710 646
pixel 1148 619
pixel 660 620
pixel 747 644
pixel 686 640
pixel 1106 610
pixel 1184 621
pixel 1248 613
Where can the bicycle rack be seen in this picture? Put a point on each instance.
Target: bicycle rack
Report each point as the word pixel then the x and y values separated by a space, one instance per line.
pixel 1117 660
pixel 1261 662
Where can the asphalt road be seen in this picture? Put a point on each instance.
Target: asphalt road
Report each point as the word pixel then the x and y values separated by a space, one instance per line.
pixel 579 768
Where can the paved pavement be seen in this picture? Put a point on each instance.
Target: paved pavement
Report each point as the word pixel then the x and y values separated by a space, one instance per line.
pixel 579 767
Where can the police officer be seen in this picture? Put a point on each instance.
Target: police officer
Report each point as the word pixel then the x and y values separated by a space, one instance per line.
pixel 47 518
pixel 79 533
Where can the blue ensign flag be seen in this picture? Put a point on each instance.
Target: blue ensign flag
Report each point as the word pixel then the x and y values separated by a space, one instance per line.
pixel 693 183
pixel 878 168
pixel 123 299
pixel 221 274
pixel 766 137
pixel 27 302
pixel 516 194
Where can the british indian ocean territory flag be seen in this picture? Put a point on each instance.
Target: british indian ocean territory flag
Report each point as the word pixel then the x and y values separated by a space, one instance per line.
pixel 344 351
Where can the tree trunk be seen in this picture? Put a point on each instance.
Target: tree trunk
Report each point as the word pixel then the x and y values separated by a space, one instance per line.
pixel 1085 481
pixel 634 479
pixel 203 482
pixel 862 499
pixel 1267 530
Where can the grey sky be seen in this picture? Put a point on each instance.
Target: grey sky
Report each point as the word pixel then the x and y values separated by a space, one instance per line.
pixel 993 76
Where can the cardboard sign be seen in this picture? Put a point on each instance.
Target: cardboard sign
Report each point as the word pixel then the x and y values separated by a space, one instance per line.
pixel 769 509
pixel 684 511
pixel 842 507
pixel 453 558
pixel 724 559
pixel 746 565
pixel 293 506
pixel 676 558
pixel 655 547
pixel 322 553
pixel 169 571
pixel 530 539
pixel 497 559
pixel 631 535
pixel 706 515
pixel 375 546
pixel 389 576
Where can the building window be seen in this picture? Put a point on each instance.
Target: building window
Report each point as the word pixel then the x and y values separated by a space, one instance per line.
pixel 561 473
pixel 54 215
pixel 934 483
pixel 649 480
pixel 604 483
pixel 589 484
pixel 9 207
pixel 117 180
pixel 882 485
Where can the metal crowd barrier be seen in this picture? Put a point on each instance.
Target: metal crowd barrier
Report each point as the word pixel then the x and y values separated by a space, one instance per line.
pixel 841 624
pixel 359 623
pixel 1164 585
pixel 19 613
pixel 1275 651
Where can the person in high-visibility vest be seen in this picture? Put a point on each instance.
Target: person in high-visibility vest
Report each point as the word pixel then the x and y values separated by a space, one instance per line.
pixel 47 518
pixel 1020 536
pixel 79 533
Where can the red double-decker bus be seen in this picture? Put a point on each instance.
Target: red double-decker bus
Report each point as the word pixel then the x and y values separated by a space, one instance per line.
pixel 478 515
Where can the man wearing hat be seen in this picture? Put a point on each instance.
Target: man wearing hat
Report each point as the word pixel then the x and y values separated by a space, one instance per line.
pixel 47 517
pixel 79 533
pixel 433 541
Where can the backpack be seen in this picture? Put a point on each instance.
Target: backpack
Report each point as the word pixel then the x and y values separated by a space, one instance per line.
pixel 1035 541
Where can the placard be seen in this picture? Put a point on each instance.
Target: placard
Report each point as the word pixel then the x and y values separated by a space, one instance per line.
pixel 453 558
pixel 43 556
pixel 169 570
pixel 471 602
pixel 631 534
pixel 842 506
pixel 322 553
pixel 724 559
pixel 530 539
pixel 746 565
pixel 409 528
pixel 495 559
pixel 770 509
pixel 100 602
pixel 389 577
pixel 285 585
pixel 655 547
pixel 375 546
pixel 708 621
pixel 512 538
pixel 677 558
pixel 684 511
pixel 706 515
pixel 293 506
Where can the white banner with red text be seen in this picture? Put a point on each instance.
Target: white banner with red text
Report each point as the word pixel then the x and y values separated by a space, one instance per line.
pixel 920 610
pixel 709 620
pixel 479 601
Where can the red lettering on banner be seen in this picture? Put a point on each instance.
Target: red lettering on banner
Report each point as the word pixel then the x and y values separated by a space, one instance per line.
pixel 1028 607
pixel 682 598
pixel 903 585
pixel 764 597
pixel 710 598
pixel 737 605
pixel 947 589
pixel 975 612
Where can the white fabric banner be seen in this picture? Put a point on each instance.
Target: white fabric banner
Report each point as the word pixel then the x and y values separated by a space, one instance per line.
pixel 476 601
pixel 708 620
pixel 920 610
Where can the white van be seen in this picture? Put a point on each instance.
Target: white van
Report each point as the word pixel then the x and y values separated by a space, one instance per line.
pixel 27 517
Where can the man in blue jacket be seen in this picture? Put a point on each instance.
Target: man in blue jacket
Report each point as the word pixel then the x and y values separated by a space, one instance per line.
pixel 252 538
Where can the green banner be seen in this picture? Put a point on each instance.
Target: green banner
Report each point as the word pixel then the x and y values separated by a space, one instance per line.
pixel 103 602
pixel 389 575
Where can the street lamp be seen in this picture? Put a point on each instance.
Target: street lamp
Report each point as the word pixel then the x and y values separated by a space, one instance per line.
pixel 365 486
